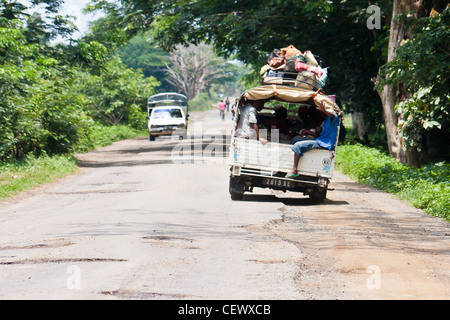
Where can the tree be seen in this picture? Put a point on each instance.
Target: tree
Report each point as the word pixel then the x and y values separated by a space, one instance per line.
pixel 142 53
pixel 119 95
pixel 193 68
pixel 410 71
pixel 36 112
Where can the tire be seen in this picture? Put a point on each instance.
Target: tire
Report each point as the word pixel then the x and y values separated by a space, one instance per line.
pixel 151 138
pixel 318 195
pixel 237 188
pixel 237 196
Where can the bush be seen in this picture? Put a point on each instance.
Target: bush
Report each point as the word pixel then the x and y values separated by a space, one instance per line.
pixel 105 135
pixel 426 188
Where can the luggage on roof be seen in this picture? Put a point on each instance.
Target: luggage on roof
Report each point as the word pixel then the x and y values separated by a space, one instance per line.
pixel 289 66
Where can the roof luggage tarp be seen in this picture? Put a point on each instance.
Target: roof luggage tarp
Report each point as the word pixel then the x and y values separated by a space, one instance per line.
pixel 168 97
pixel 289 94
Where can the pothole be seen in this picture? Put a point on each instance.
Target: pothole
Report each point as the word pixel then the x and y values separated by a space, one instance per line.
pixel 132 294
pixel 61 260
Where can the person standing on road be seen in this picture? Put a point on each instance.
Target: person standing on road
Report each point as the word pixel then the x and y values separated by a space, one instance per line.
pixel 325 140
pixel 227 103
pixel 248 121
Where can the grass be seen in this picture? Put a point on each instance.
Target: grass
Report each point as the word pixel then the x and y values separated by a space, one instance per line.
pixel 427 188
pixel 30 172
pixel 20 175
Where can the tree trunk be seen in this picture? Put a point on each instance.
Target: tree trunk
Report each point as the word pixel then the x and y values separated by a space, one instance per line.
pixel 390 95
pixel 359 126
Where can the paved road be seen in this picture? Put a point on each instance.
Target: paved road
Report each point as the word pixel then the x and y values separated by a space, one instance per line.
pixel 154 220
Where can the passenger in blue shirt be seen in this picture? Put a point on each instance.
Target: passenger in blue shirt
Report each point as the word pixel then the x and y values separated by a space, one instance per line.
pixel 325 140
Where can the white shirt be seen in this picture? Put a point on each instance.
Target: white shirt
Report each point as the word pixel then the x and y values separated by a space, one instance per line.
pixel 247 118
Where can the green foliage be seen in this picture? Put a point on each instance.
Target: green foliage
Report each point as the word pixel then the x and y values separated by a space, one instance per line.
pixel 426 188
pixel 50 96
pixel 36 113
pixel 118 95
pixel 422 66
pixel 142 53
pixel 102 136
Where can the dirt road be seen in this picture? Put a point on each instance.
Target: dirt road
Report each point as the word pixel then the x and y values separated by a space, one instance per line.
pixel 154 220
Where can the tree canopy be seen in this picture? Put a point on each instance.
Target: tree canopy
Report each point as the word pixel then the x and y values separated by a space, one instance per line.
pixel 51 94
pixel 249 30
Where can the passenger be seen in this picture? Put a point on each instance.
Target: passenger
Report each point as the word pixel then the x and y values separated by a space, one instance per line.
pixel 281 123
pixel 303 114
pixel 248 121
pixel 312 124
pixel 325 140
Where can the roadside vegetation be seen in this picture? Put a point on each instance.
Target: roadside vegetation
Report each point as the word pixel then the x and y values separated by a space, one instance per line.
pixel 426 188
pixel 30 171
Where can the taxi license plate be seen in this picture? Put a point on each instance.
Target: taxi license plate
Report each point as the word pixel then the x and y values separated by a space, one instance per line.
pixel 272 182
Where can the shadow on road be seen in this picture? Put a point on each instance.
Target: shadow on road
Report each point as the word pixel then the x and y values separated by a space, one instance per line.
pixel 169 152
pixel 288 201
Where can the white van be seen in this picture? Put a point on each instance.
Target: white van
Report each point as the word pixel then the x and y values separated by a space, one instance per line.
pixel 167 115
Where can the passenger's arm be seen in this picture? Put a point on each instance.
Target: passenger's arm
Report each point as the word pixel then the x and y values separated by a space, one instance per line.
pixel 255 127
pixel 321 107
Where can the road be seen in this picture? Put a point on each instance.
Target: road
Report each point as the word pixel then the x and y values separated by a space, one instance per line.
pixel 154 220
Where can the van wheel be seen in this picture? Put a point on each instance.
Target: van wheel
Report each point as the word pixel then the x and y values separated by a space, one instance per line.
pixel 151 138
pixel 318 195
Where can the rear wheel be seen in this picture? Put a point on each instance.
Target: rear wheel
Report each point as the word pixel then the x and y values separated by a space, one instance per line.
pixel 151 138
pixel 237 195
pixel 318 195
pixel 237 188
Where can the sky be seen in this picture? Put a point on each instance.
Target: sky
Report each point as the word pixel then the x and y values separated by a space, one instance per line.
pixel 74 8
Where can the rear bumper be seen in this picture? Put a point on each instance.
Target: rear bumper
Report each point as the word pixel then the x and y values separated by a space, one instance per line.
pixel 245 183
pixel 279 177
pixel 167 131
